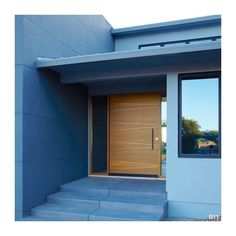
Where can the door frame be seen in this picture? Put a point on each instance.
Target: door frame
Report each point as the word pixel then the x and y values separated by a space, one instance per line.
pixel 90 138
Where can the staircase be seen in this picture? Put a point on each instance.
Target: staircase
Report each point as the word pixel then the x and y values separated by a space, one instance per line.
pixel 105 199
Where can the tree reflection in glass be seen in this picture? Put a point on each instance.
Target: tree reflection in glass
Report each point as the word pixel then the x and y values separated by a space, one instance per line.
pixel 200 116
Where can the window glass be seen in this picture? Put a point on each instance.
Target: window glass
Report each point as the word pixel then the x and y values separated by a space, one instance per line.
pixel 163 137
pixel 200 116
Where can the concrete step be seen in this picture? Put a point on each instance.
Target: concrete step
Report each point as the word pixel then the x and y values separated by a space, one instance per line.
pixel 85 191
pixel 105 199
pixel 104 214
pixel 62 212
pixel 37 218
pixel 156 195
pixel 134 203
pixel 91 185
pixel 75 199
pixel 89 191
pixel 104 193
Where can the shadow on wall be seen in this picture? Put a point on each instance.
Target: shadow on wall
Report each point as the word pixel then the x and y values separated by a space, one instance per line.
pixel 54 138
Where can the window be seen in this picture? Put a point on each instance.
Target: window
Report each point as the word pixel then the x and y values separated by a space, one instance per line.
pixel 199 115
pixel 163 137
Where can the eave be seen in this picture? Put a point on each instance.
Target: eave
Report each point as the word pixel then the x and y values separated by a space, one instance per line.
pixel 133 63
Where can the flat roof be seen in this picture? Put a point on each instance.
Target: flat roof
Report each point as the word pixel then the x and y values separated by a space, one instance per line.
pixel 121 55
pixel 198 21
pixel 133 63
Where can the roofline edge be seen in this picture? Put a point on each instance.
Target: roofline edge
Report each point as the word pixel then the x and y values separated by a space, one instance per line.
pixel 213 19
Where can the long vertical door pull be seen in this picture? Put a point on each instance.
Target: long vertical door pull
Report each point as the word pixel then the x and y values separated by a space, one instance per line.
pixel 152 138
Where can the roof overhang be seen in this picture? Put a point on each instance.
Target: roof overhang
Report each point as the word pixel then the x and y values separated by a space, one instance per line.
pixel 133 63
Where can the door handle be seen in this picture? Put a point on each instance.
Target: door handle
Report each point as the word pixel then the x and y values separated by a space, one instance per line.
pixel 152 138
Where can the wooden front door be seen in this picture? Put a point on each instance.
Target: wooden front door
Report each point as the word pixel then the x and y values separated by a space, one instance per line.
pixel 135 134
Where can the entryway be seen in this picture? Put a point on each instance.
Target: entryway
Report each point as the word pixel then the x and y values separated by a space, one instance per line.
pixel 126 135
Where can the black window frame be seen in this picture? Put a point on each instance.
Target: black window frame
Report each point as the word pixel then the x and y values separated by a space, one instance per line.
pixel 194 76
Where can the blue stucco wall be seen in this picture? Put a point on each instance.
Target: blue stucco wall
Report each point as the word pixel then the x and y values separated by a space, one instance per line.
pixel 51 118
pixel 193 184
pixel 129 42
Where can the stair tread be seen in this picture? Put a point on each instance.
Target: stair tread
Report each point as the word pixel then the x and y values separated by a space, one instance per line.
pixel 149 200
pixel 74 196
pixel 89 183
pixel 40 218
pixel 119 214
pixel 112 198
pixel 140 186
pixel 137 193
pixel 118 184
pixel 102 193
pixel 86 209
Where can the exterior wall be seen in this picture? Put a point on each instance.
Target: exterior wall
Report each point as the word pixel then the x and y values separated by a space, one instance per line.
pixel 129 42
pixel 193 185
pixel 51 118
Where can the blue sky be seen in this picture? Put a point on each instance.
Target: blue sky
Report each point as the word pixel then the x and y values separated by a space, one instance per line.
pixel 200 102
pixel 163 111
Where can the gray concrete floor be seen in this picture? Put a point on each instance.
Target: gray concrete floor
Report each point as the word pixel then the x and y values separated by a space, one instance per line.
pixel 121 184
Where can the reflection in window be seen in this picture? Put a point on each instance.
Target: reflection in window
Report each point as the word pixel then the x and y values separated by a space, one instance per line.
pixel 163 137
pixel 200 116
